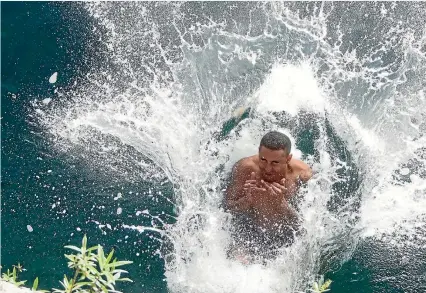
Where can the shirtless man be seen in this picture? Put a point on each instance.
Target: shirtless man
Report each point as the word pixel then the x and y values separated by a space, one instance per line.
pixel 259 191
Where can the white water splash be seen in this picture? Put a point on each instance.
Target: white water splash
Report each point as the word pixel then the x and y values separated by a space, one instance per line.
pixel 290 88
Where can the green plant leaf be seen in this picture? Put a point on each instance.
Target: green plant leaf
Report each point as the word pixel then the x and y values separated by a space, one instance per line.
pixel 73 247
pixel 73 260
pixel 71 257
pixel 84 242
pixel 92 270
pixel 103 288
pixel 20 283
pixel 65 282
pixel 18 267
pixel 35 284
pixel 81 284
pixel 315 287
pixel 119 271
pixel 120 263
pixel 91 277
pixel 101 258
pixel 109 277
pixel 92 248
pixel 108 259
pixel 111 286
pixel 117 276
pixel 125 280
pixel 14 274
pixel 7 276
pixel 325 286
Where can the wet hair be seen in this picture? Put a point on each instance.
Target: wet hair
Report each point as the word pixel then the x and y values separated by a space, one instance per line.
pixel 275 140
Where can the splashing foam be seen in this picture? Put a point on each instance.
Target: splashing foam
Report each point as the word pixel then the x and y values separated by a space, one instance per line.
pixel 290 88
pixel 200 240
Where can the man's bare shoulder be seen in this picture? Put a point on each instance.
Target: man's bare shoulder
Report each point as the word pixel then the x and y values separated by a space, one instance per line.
pixel 298 165
pixel 301 169
pixel 247 164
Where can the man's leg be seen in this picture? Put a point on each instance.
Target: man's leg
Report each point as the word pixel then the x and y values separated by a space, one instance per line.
pixel 241 114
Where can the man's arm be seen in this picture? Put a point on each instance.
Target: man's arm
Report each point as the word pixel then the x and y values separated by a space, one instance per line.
pixel 236 195
pixel 276 191
pixel 304 172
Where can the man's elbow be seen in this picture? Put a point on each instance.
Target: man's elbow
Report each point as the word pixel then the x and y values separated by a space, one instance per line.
pixel 306 175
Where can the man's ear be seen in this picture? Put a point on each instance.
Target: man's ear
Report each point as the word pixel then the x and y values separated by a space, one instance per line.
pixel 289 157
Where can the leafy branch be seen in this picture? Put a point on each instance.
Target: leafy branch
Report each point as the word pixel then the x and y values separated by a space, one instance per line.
pixel 12 277
pixel 321 286
pixel 93 271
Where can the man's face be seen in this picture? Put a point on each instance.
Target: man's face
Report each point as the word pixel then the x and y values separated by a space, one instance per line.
pixel 273 164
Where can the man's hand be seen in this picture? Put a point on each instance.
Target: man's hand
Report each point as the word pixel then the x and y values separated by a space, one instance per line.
pixel 258 192
pixel 277 190
pixel 246 201
pixel 252 182
pixel 254 192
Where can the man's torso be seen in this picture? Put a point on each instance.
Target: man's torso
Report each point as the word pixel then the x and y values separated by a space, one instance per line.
pixel 262 214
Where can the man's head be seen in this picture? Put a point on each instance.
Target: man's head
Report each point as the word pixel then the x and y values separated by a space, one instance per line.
pixel 274 155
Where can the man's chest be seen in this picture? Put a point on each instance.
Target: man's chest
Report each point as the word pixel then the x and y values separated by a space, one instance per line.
pixel 291 185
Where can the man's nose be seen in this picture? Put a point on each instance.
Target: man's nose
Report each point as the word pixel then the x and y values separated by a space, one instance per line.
pixel 268 167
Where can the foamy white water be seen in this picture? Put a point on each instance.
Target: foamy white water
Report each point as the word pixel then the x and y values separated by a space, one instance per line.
pixel 171 84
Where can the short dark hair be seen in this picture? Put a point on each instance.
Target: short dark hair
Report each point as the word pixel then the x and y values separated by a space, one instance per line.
pixel 275 140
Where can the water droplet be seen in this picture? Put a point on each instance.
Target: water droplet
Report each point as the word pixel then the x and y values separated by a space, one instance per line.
pixel 53 78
